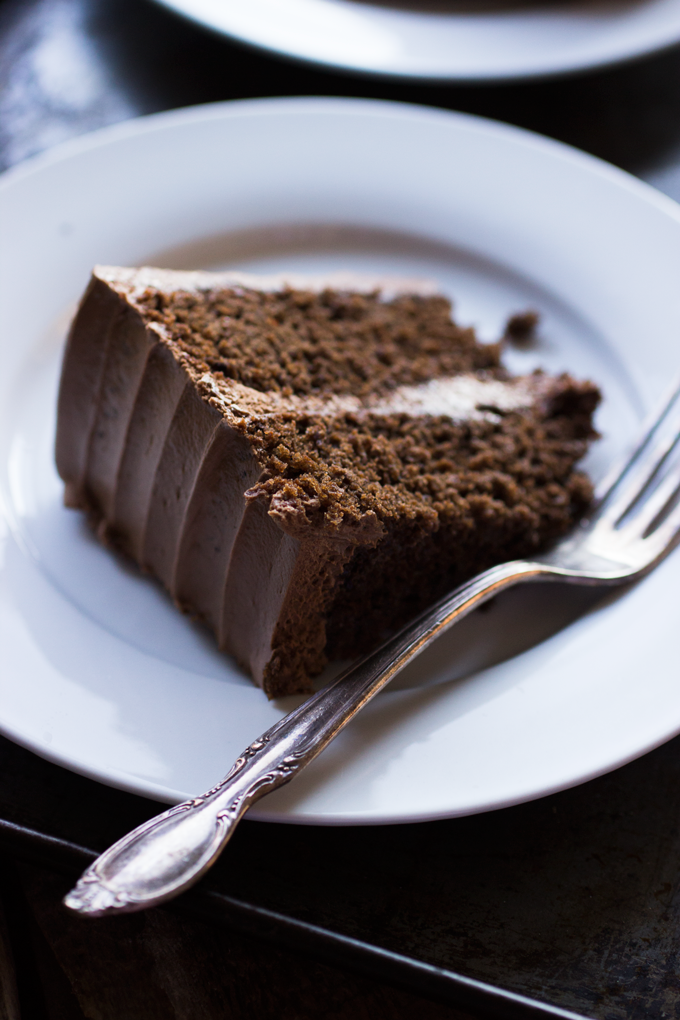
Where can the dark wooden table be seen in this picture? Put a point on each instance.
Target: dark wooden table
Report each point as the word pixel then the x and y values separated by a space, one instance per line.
pixel 571 902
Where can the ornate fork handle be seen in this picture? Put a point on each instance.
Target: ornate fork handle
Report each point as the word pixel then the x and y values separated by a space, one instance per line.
pixel 170 852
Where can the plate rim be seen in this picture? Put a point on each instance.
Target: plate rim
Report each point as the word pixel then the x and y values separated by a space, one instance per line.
pixel 111 134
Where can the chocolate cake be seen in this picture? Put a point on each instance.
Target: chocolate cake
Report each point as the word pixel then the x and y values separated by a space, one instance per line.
pixel 305 464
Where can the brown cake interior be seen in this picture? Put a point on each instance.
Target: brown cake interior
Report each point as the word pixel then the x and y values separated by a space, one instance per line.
pixel 306 342
pixel 353 455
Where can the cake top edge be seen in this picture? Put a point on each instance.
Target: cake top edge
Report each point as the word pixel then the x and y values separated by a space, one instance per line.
pixel 144 277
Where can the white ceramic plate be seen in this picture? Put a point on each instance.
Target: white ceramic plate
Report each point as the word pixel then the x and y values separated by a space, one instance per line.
pixel 459 40
pixel 98 670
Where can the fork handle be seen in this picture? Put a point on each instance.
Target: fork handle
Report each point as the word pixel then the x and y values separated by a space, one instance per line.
pixel 170 852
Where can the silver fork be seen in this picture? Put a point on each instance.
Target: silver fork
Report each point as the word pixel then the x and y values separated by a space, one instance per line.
pixel 634 524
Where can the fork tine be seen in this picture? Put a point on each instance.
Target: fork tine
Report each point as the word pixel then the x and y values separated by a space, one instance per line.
pixel 641 469
pixel 641 481
pixel 652 507
pixel 651 426
pixel 664 538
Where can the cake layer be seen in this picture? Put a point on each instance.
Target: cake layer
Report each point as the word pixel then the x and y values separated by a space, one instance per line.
pixel 304 463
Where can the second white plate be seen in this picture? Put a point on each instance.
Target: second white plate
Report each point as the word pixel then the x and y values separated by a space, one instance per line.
pixel 463 40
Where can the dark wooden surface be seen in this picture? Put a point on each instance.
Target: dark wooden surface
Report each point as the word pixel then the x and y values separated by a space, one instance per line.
pixel 162 964
pixel 571 901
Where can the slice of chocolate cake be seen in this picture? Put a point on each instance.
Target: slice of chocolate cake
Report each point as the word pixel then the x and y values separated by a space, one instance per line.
pixel 305 464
